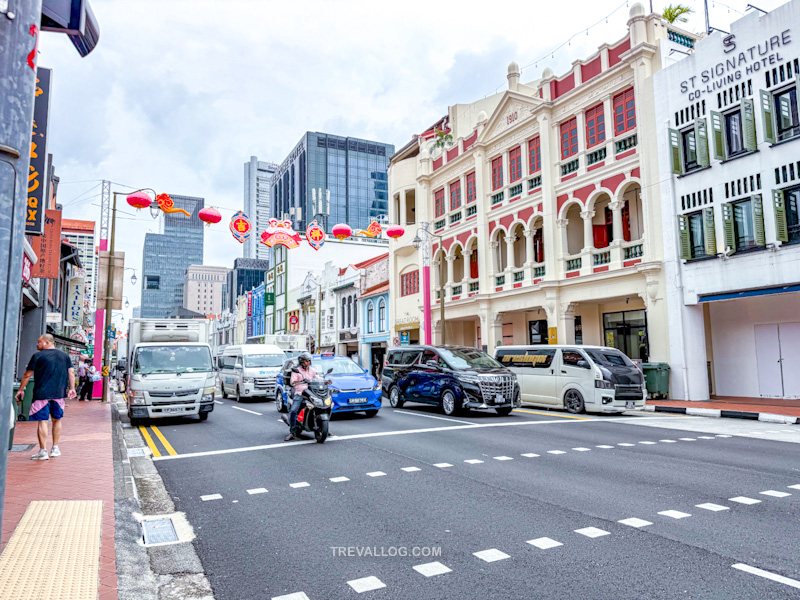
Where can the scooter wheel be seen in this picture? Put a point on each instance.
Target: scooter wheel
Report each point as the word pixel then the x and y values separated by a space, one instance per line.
pixel 321 433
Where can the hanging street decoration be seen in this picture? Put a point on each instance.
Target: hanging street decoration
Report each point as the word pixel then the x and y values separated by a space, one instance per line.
pixel 373 230
pixel 315 235
pixel 139 200
pixel 395 231
pixel 209 215
pixel 341 231
pixel 280 233
pixel 241 228
pixel 168 206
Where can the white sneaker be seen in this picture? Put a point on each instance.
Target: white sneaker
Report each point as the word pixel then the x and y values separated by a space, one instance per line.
pixel 54 451
pixel 40 455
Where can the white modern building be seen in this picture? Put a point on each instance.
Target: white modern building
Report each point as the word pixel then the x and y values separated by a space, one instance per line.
pixel 257 202
pixel 204 288
pixel 729 148
pixel 81 235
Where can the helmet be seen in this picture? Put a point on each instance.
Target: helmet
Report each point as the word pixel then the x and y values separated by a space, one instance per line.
pixel 306 356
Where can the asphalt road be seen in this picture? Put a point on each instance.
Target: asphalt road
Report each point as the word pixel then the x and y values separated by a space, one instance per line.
pixel 534 505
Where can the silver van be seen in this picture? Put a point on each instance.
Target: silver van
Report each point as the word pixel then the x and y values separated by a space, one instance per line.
pixel 249 371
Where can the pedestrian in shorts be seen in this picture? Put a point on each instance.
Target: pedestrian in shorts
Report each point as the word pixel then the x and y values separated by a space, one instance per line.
pixel 53 384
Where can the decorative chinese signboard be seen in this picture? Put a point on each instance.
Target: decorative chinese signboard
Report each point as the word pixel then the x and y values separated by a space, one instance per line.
pixel 373 230
pixel 315 235
pixel 280 233
pixel 241 228
pixel 48 247
pixel 37 175
pixel 74 308
pixel 249 304
pixel 166 204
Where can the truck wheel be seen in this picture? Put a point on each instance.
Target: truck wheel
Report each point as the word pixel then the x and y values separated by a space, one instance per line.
pixel 279 404
pixel 573 401
pixel 203 416
pixel 224 393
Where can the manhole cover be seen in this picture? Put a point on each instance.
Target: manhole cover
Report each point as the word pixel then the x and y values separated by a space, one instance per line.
pixel 159 531
pixel 138 452
pixel 22 447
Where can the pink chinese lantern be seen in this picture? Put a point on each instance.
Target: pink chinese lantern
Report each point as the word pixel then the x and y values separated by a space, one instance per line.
pixel 341 231
pixel 395 231
pixel 139 200
pixel 209 215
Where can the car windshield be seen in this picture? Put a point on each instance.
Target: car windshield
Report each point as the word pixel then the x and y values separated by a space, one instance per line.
pixel 609 358
pixel 467 359
pixel 172 359
pixel 256 361
pixel 341 366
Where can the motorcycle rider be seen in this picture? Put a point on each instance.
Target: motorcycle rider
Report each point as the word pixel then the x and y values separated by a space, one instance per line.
pixel 304 371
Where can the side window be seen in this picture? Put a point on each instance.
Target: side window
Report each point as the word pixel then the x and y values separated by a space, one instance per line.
pixel 511 358
pixel 410 357
pixel 393 358
pixel 430 355
pixel 571 358
pixel 530 359
pixel 542 359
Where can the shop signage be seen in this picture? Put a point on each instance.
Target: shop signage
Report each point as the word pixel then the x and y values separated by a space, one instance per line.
pixel 270 276
pixel 37 174
pixel 345 336
pixel 404 338
pixel 27 266
pixel 269 299
pixel 249 304
pixel 74 308
pixel 280 268
pixel 48 247
pixel 54 317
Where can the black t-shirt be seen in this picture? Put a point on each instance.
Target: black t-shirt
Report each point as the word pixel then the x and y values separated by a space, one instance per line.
pixel 51 374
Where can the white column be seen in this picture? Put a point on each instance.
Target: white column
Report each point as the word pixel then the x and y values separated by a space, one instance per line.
pixel 401 218
pixel 450 260
pixel 510 264
pixel 494 246
pixel 616 211
pixel 588 237
pixel 529 253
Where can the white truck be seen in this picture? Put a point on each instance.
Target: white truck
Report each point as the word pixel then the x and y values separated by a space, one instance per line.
pixel 170 372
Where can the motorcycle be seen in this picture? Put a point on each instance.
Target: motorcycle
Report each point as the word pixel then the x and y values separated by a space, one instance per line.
pixel 316 408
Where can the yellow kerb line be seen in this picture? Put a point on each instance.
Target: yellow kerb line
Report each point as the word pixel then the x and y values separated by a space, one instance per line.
pixel 533 412
pixel 151 444
pixel 163 440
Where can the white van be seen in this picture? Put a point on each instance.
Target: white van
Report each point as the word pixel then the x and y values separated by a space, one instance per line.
pixel 249 371
pixel 577 378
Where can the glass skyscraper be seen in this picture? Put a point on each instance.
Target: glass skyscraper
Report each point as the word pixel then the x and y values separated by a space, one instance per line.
pixel 168 254
pixel 353 170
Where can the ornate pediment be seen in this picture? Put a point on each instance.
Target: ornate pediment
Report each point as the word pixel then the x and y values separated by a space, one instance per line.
pixel 514 110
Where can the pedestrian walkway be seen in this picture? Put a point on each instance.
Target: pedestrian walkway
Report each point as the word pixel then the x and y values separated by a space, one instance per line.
pixel 84 471
pixel 750 408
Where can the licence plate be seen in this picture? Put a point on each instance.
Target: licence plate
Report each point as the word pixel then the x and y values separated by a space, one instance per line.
pixel 630 405
pixel 498 399
pixel 357 400
pixel 171 410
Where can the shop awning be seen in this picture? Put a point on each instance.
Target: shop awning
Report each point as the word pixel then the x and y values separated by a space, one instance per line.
pixel 784 289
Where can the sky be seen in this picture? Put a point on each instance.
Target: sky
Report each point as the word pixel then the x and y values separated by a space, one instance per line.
pixel 179 94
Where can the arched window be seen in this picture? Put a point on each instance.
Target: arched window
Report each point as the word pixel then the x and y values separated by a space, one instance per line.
pixel 344 309
pixel 370 316
pixel 382 324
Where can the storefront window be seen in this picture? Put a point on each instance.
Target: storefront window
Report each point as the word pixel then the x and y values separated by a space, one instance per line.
pixel 537 332
pixel 627 332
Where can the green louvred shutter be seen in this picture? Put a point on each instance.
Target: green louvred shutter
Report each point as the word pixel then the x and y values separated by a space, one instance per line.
pixel 749 125
pixel 686 244
pixel 717 136
pixel 781 226
pixel 675 149
pixel 727 224
pixel 701 135
pixel 709 232
pixel 767 117
pixel 758 220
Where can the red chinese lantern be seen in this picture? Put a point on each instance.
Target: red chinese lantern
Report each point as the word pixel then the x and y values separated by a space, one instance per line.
pixel 341 231
pixel 209 215
pixel 139 200
pixel 395 231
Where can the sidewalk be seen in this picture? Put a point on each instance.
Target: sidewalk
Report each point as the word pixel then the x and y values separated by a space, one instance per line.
pixel 761 409
pixel 84 471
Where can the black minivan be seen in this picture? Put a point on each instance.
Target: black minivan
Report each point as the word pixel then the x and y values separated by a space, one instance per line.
pixel 454 378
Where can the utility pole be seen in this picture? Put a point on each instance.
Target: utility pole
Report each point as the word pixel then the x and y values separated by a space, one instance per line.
pixel 109 301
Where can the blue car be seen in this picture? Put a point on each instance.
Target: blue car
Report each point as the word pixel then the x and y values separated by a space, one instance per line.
pixel 352 388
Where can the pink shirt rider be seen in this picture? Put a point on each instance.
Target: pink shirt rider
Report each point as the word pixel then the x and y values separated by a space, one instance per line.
pixel 297 378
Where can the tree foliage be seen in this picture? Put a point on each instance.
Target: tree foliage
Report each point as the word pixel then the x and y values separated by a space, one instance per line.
pixel 676 13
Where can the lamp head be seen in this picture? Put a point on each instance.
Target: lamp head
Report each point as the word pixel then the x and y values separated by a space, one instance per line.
pixel 417 241
pixel 133 279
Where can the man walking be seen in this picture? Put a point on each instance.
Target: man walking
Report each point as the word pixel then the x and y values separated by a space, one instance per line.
pixel 53 375
pixel 83 376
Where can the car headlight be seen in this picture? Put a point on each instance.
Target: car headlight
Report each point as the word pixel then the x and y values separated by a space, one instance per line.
pixel 377 386
pixel 247 380
pixel 603 384
pixel 469 378
pixel 136 397
pixel 334 390
pixel 327 401
pixel 208 397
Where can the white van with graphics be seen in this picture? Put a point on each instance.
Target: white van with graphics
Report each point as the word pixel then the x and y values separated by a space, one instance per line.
pixel 577 378
pixel 249 371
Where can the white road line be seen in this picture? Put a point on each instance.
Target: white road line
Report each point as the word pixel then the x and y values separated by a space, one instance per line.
pixel 211 497
pixel 376 474
pixel 713 507
pixel 723 435
pixel 706 437
pixel 634 522
pixel 675 514
pixel 794 487
pixel 604 447
pixel 767 575
pixel 544 543
pixel 432 568
pixel 473 461
pixel 442 465
pixel 668 441
pixel 410 469
pixel 366 584
pixel 582 449
pixel 625 444
pixel 257 491
pixel 300 484
pixel 294 596
pixel 416 414
pixel 530 455
pixel 556 452
pixel 744 500
pixel 775 494
pixel 218 402
pixel 592 532
pixel 503 458
pixel 687 439
pixel 252 412
pixel 648 443
pixel 491 555
pixel 339 479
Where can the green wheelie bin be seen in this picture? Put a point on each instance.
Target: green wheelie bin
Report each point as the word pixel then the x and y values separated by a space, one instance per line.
pixel 656 377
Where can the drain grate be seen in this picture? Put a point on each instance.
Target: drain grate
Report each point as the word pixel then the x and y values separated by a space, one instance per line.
pixel 138 452
pixel 159 531
pixel 22 447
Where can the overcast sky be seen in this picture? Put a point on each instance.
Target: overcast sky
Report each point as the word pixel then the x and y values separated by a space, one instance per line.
pixel 179 94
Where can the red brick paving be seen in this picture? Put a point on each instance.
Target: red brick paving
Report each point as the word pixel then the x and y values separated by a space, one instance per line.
pixel 84 471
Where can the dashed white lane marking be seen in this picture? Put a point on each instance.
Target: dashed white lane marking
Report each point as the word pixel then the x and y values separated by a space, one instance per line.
pixel 410 469
pixel 556 452
pixel 767 575
pixel 432 568
pixel 442 465
pixel 634 522
pixel 668 441
pixel 687 439
pixel 582 449
pixel 723 435
pixel 473 461
pixel 339 479
pixel 247 410
pixel 530 455
pixel 257 491
pixel 211 497
pixel 648 443
pixel 675 514
pixel 503 458
pixel 625 444
pixel 544 543
pixel 706 437
pixel 592 532
pixel 744 500
pixel 604 447
pixel 491 555
pixel 218 402
pixel 775 494
pixel 376 474
pixel 294 596
pixel 300 484
pixel 366 584
pixel 794 487
pixel 713 507
pixel 416 414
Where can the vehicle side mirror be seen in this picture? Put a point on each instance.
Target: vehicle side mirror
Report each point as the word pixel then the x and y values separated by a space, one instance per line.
pixel 583 364
pixel 328 371
pixel 432 364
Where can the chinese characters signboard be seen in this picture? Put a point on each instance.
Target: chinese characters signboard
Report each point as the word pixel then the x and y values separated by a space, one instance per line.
pixel 48 246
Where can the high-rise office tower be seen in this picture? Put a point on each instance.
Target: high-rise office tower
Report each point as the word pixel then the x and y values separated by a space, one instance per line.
pixel 257 204
pixel 81 235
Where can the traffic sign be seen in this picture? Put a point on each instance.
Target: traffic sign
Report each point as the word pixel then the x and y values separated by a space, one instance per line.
pixel 404 338
pixel 294 320
pixel 105 371
pixel 396 341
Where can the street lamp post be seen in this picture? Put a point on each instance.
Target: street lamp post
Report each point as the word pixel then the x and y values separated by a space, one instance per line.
pixel 425 244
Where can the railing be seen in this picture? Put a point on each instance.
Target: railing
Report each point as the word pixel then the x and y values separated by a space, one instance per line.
pixel 455 218
pixel 626 144
pixel 519 276
pixel 500 281
pixel 515 191
pixel 474 286
pixel 456 291
pixel 573 264
pixel 498 198
pixel 437 225
pixel 534 182
pixel 633 252
pixel 679 38
pixel 569 167
pixel 602 258
pixel 472 210
pixel 596 156
pixel 538 272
